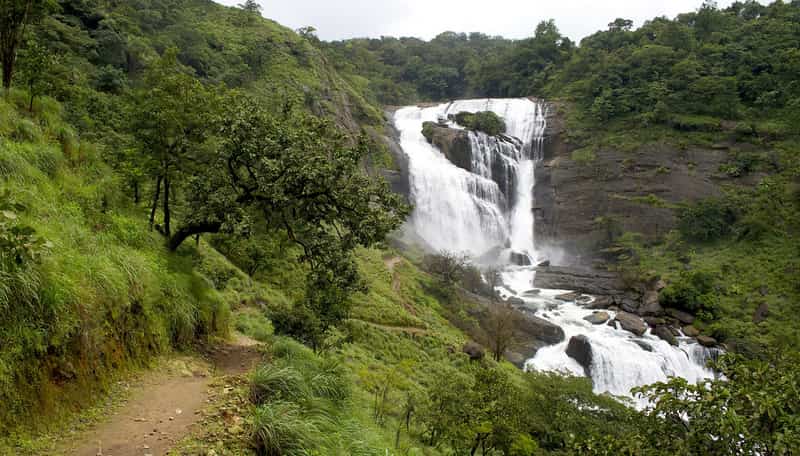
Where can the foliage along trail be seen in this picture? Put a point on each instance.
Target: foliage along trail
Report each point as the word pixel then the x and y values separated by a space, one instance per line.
pixel 166 405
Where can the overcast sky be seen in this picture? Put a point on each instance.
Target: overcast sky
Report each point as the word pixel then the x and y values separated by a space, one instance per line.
pixel 340 19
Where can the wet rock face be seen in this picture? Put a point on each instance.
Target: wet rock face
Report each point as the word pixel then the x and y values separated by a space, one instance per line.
pixel 631 322
pixel 541 329
pixel 572 197
pixel 495 153
pixel 398 179
pixel 681 316
pixel 665 334
pixel 593 282
pixel 580 350
pixel 453 143
pixel 597 318
pixel 520 259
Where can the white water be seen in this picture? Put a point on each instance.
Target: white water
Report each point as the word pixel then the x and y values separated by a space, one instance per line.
pixel 464 211
pixel 618 362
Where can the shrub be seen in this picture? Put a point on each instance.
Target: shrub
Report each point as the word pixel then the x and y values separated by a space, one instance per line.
pixel 706 220
pixel 279 429
pixel 484 121
pixel 692 291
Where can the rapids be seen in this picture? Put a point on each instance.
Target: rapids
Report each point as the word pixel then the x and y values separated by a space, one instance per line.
pixel 468 211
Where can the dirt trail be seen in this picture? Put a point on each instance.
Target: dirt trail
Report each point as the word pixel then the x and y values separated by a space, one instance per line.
pixel 163 408
pixel 390 263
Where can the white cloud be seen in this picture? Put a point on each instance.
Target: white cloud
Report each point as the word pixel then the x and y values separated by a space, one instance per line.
pixel 341 19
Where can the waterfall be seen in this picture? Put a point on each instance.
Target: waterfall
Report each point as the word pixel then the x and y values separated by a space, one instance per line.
pixel 490 207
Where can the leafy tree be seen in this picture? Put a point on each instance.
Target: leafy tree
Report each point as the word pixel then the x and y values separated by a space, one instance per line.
pixel 753 409
pixel 621 25
pixel 36 68
pixel 501 328
pixel 251 6
pixel 298 175
pixel 448 267
pixel 15 16
pixel 171 120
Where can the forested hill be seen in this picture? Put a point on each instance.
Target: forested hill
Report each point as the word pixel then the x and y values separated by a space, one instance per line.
pixel 103 46
pixel 735 63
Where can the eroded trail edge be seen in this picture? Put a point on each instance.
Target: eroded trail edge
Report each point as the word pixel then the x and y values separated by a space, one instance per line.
pixel 163 408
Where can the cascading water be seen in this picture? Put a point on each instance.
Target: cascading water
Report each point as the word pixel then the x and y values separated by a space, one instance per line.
pixel 465 211
pixel 490 207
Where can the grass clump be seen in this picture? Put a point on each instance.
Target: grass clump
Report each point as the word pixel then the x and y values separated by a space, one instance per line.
pixel 273 382
pixel 281 429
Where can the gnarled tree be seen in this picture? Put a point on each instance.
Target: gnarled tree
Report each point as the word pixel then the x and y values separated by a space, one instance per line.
pixel 297 174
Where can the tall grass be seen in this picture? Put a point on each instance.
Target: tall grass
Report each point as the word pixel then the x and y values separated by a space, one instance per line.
pixel 107 296
pixel 281 429
pixel 272 382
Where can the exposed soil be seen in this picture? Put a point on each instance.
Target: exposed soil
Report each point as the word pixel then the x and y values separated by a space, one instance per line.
pixel 164 406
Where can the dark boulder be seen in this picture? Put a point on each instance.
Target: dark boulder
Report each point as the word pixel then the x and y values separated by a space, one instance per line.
pixel 628 305
pixel 569 297
pixel 580 350
pixel 654 321
pixel 589 281
pixel 597 318
pixel 520 259
pixel 532 293
pixel 650 305
pixel 544 264
pixel 683 317
pixel 645 346
pixel 453 143
pixel 602 302
pixel 690 331
pixel 664 333
pixel 515 301
pixel 707 341
pixel 631 322
pixel 533 333
pixel 473 350
pixel 541 329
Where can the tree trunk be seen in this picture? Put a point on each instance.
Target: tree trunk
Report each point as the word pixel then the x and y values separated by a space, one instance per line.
pixel 8 69
pixel 167 230
pixel 155 202
pixel 190 230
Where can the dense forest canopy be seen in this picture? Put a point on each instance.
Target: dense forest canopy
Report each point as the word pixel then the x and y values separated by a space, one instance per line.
pixel 740 62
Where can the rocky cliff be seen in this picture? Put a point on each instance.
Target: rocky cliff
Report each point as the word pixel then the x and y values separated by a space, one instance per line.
pixel 585 197
pixel 469 150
